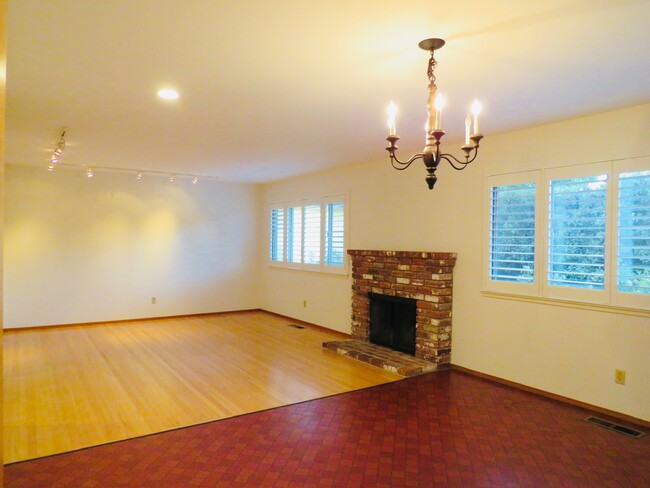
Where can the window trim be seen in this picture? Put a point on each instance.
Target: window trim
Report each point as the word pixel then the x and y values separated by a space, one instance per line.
pixel 540 291
pixel 617 309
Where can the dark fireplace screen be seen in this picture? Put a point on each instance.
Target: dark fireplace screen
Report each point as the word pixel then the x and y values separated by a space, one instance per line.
pixel 392 322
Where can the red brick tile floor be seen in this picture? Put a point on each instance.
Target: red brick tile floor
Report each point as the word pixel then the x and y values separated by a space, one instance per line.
pixel 440 429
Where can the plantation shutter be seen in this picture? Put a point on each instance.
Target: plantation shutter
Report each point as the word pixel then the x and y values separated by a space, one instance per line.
pixel 277 234
pixel 577 225
pixel 634 232
pixel 512 233
pixel 309 236
pixel 334 233
pixel 294 235
pixel 312 234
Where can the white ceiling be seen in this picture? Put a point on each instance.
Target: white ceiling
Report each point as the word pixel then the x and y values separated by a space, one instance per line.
pixel 272 89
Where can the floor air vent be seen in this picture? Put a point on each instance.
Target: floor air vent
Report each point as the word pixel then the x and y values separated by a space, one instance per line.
pixel 296 326
pixel 612 426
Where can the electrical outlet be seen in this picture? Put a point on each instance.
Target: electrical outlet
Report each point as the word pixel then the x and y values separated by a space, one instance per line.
pixel 619 376
pixel 153 300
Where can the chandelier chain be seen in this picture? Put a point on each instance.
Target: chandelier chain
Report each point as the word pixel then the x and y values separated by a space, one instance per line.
pixel 432 66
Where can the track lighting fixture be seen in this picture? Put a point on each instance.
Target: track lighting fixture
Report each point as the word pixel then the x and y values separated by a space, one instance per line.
pixel 58 149
pixel 139 174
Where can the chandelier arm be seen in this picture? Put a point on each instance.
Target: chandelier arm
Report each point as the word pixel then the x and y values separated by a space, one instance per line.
pixel 398 168
pixel 450 157
pixel 464 164
pixel 405 164
pixel 446 157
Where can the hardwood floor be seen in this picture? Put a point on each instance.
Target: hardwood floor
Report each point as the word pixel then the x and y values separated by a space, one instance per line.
pixel 73 387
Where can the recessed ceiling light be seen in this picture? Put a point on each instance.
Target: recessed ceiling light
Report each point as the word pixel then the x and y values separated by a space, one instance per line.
pixel 168 94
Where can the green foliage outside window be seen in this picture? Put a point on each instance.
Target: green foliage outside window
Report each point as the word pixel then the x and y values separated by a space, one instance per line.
pixel 577 226
pixel 512 240
pixel 634 233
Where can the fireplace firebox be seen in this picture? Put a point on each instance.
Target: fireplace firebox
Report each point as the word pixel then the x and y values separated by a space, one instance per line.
pixel 392 322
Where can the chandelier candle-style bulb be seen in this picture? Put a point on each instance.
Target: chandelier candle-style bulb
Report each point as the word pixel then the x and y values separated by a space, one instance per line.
pixel 432 153
pixel 439 104
pixel 476 109
pixel 392 115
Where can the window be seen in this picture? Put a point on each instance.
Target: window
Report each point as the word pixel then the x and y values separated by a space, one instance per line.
pixel 315 235
pixel 512 233
pixel 634 232
pixel 312 234
pixel 576 241
pixel 579 233
pixel 294 235
pixel 277 234
pixel 334 233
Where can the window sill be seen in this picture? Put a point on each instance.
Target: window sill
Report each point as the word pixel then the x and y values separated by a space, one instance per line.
pixel 329 272
pixel 638 312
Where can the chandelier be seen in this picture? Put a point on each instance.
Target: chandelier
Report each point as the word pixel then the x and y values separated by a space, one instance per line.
pixel 431 154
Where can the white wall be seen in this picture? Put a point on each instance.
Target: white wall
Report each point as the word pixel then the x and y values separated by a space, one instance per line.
pixel 567 351
pixel 82 250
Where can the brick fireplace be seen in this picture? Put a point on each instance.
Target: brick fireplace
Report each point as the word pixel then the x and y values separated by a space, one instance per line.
pixel 422 276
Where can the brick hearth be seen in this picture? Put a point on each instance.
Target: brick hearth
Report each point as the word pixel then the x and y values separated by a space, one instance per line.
pixel 382 357
pixel 423 276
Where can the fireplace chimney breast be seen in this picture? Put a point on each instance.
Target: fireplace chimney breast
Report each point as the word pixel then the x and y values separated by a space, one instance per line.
pixel 425 277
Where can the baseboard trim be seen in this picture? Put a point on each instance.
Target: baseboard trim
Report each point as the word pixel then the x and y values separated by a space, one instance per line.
pixel 143 319
pixel 123 321
pixel 343 335
pixel 554 396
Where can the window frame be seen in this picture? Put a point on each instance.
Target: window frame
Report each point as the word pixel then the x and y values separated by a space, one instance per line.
pixel 321 267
